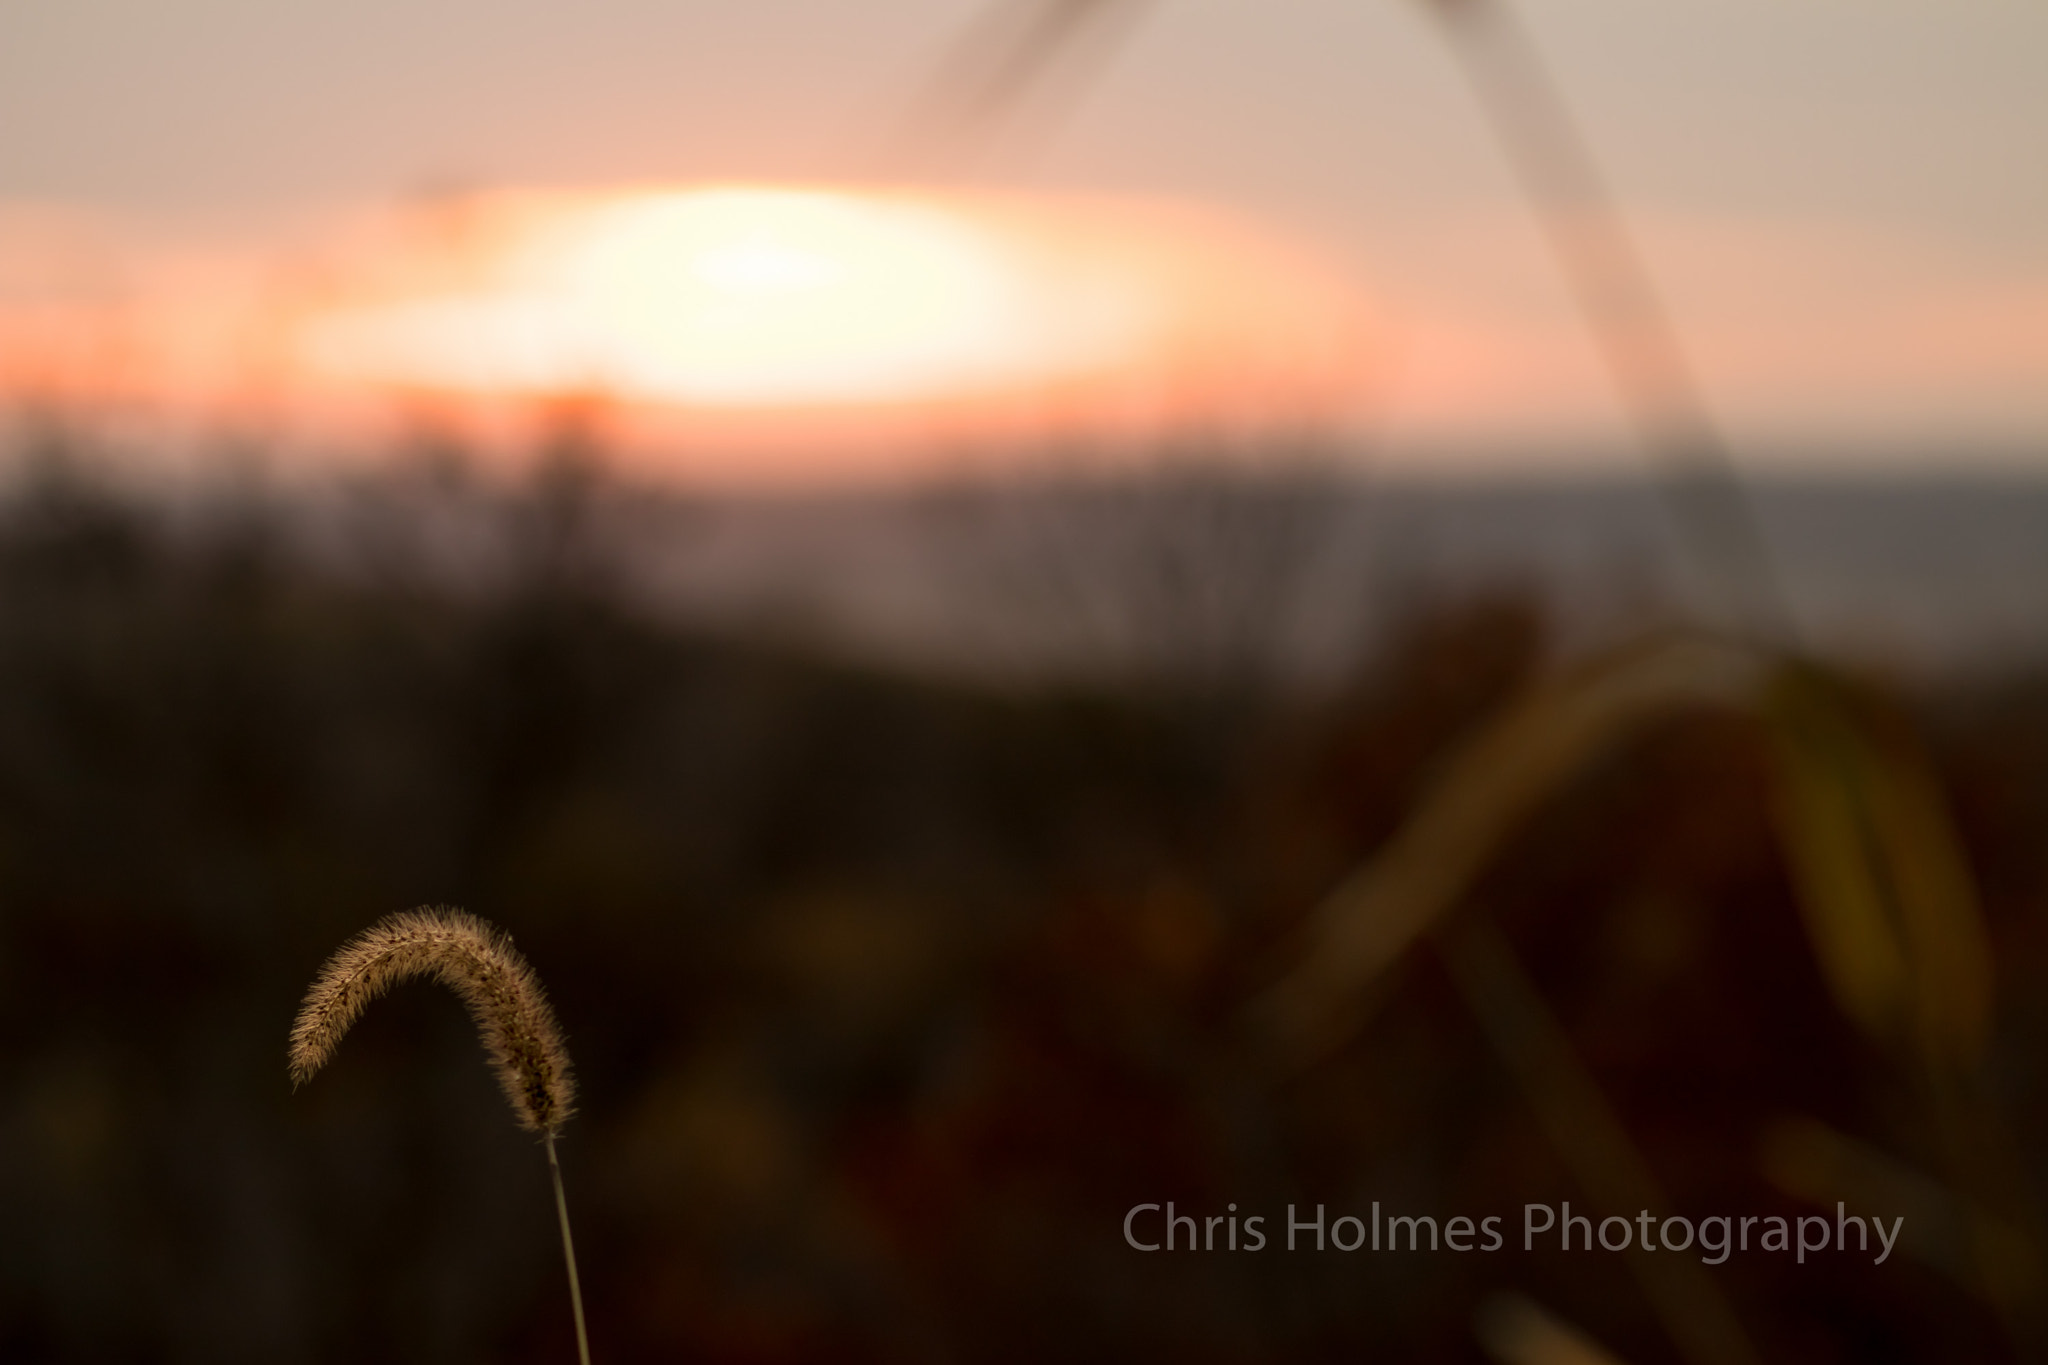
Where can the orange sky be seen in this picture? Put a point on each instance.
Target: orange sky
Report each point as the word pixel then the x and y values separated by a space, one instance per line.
pixel 1252 216
pixel 812 329
pixel 797 328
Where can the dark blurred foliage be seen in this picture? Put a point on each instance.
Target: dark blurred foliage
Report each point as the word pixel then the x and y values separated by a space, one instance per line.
pixel 888 996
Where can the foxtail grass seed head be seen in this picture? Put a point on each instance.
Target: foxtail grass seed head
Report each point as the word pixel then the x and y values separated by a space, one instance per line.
pixel 477 961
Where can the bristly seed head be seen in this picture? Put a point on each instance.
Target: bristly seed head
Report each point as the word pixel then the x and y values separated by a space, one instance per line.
pixel 477 961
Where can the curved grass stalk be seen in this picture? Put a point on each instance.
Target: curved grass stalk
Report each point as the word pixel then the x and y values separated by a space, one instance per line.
pixel 477 961
pixel 1515 761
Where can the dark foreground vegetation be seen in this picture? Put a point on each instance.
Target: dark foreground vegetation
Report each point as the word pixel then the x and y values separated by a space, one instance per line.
pixel 890 997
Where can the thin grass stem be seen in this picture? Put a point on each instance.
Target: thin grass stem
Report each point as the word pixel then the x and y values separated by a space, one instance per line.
pixel 569 1254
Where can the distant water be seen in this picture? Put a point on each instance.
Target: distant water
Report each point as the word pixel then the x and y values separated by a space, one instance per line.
pixel 1212 573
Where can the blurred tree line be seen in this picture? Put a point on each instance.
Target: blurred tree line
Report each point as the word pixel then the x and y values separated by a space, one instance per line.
pixel 889 994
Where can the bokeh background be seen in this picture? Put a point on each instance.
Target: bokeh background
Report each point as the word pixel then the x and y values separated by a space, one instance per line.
pixel 1499 764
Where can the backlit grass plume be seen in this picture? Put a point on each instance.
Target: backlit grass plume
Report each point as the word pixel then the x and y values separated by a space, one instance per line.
pixel 477 961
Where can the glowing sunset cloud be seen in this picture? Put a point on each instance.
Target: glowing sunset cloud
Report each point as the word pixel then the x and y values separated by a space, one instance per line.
pixel 775 298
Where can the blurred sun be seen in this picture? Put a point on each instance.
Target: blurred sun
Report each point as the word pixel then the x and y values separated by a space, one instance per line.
pixel 780 298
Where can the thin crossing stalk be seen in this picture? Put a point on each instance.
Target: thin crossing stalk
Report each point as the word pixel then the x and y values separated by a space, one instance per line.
pixel 1619 301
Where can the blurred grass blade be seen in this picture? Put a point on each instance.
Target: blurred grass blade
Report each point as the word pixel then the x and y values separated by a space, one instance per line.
pixel 1826 838
pixel 1486 788
pixel 1939 914
pixel 1589 1137
pixel 1041 34
pixel 1516 1330
pixel 1882 882
pixel 1011 49
pixel 1991 1250
pixel 1809 1160
pixel 1893 915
